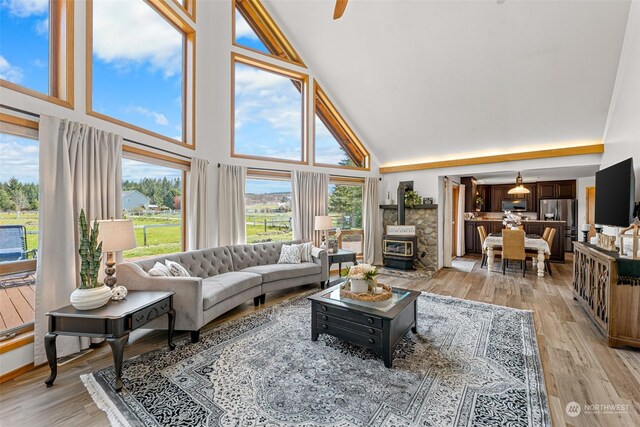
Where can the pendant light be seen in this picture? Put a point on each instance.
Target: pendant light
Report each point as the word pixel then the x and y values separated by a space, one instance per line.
pixel 519 188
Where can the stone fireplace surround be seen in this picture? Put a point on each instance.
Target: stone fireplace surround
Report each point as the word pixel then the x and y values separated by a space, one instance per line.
pixel 425 218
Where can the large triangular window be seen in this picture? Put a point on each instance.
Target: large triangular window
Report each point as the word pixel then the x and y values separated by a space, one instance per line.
pixel 254 29
pixel 335 143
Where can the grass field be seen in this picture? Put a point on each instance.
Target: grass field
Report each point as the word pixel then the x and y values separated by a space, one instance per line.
pixel 162 240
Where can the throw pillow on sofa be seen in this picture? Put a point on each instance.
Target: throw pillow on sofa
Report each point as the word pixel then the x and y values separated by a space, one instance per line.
pixel 159 270
pixel 290 254
pixel 306 251
pixel 176 269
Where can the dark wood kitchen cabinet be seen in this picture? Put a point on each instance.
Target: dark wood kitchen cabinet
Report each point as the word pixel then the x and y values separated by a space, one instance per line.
pixel 483 192
pixel 557 189
pixel 469 183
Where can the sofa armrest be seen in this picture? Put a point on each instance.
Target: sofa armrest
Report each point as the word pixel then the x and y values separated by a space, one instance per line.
pixel 321 257
pixel 187 300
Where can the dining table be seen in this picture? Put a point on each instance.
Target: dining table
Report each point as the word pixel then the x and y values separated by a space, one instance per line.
pixel 532 242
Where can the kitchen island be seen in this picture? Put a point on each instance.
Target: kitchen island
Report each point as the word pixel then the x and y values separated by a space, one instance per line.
pixel 532 226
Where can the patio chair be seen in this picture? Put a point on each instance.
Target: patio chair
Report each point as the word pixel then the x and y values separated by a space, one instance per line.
pixel 13 243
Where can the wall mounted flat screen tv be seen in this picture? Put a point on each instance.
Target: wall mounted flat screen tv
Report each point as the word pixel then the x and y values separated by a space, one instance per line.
pixel 615 194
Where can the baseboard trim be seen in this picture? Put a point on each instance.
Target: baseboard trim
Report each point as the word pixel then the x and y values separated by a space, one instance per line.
pixel 16 372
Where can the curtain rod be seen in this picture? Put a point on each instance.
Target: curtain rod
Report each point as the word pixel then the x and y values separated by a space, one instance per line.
pixel 36 115
pixel 288 171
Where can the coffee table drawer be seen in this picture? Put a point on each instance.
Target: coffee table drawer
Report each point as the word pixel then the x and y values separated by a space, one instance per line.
pixel 353 316
pixel 371 342
pixel 147 314
pixel 356 327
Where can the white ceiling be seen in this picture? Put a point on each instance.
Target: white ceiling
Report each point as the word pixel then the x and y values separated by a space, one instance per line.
pixel 534 175
pixel 437 79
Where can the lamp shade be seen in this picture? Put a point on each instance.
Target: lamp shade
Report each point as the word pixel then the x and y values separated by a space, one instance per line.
pixel 116 235
pixel 323 222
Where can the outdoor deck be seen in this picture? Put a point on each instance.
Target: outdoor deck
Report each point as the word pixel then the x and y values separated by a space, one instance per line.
pixel 17 301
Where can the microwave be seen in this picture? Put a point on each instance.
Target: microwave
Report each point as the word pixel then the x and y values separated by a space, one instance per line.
pixel 519 205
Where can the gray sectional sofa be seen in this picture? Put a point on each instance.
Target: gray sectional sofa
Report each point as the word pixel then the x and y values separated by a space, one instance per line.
pixel 222 278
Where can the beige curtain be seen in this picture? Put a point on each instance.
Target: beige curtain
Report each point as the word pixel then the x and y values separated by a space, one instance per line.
pixel 231 223
pixel 310 197
pixel 371 222
pixel 80 168
pixel 447 222
pixel 197 211
pixel 460 246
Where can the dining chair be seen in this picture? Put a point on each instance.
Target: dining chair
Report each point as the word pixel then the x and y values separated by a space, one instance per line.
pixel 482 231
pixel 513 249
pixel 545 235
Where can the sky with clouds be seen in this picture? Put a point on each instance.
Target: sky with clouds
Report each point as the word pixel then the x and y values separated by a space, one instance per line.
pixel 24 43
pixel 137 78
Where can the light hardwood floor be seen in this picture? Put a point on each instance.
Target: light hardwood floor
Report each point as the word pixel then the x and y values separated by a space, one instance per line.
pixel 578 366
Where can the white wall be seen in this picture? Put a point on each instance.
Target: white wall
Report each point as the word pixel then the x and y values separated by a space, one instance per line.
pixel 622 133
pixel 213 103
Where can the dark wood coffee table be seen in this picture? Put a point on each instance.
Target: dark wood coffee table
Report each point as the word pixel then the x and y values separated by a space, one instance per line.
pixel 376 326
pixel 113 321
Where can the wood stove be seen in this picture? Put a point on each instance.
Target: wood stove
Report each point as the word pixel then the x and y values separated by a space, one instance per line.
pixel 399 251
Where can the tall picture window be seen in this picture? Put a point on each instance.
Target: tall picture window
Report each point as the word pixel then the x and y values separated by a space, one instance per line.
pixel 268 210
pixel 36 49
pixel 268 113
pixel 19 188
pixel 141 76
pixel 152 196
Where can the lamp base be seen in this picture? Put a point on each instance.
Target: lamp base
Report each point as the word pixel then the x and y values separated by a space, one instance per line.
pixel 110 280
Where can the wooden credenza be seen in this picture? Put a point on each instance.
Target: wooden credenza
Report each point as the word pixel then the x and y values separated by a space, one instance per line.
pixel 612 303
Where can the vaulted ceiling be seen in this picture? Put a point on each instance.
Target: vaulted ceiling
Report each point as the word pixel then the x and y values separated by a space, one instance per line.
pixel 426 80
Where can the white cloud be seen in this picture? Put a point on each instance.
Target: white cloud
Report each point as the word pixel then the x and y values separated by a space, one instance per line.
pixel 8 72
pixel 19 158
pixel 159 118
pixel 25 8
pixel 128 33
pixel 39 63
pixel 243 30
pixel 42 27
pixel 251 80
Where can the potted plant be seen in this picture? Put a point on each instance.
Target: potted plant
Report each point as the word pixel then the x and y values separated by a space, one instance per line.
pixel 90 293
pixel 362 277
pixel 411 199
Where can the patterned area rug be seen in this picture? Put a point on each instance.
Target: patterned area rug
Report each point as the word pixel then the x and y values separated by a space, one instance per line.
pixel 470 364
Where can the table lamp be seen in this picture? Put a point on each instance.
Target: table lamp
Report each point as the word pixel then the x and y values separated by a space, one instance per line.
pixel 116 235
pixel 323 223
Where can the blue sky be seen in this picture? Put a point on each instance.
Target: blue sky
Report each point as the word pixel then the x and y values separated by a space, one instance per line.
pixel 133 170
pixel 260 186
pixel 19 158
pixel 137 69
pixel 24 43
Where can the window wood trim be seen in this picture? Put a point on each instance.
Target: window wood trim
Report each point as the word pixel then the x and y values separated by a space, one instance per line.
pixel 304 90
pixel 265 28
pixel 346 180
pixel 324 109
pixel 268 174
pixel 189 74
pixel 189 8
pixel 61 78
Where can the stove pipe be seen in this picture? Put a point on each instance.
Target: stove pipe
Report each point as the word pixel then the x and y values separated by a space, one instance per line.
pixel 403 187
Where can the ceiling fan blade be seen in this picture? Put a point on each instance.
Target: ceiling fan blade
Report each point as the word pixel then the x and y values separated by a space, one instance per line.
pixel 341 5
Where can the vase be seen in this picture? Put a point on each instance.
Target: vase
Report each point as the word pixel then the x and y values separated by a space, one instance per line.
pixel 88 299
pixel 359 286
pixel 513 227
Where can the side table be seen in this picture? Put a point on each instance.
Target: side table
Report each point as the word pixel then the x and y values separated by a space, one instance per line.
pixel 113 321
pixel 339 257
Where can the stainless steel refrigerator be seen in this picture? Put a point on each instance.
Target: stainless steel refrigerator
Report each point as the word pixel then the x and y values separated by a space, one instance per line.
pixel 562 210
